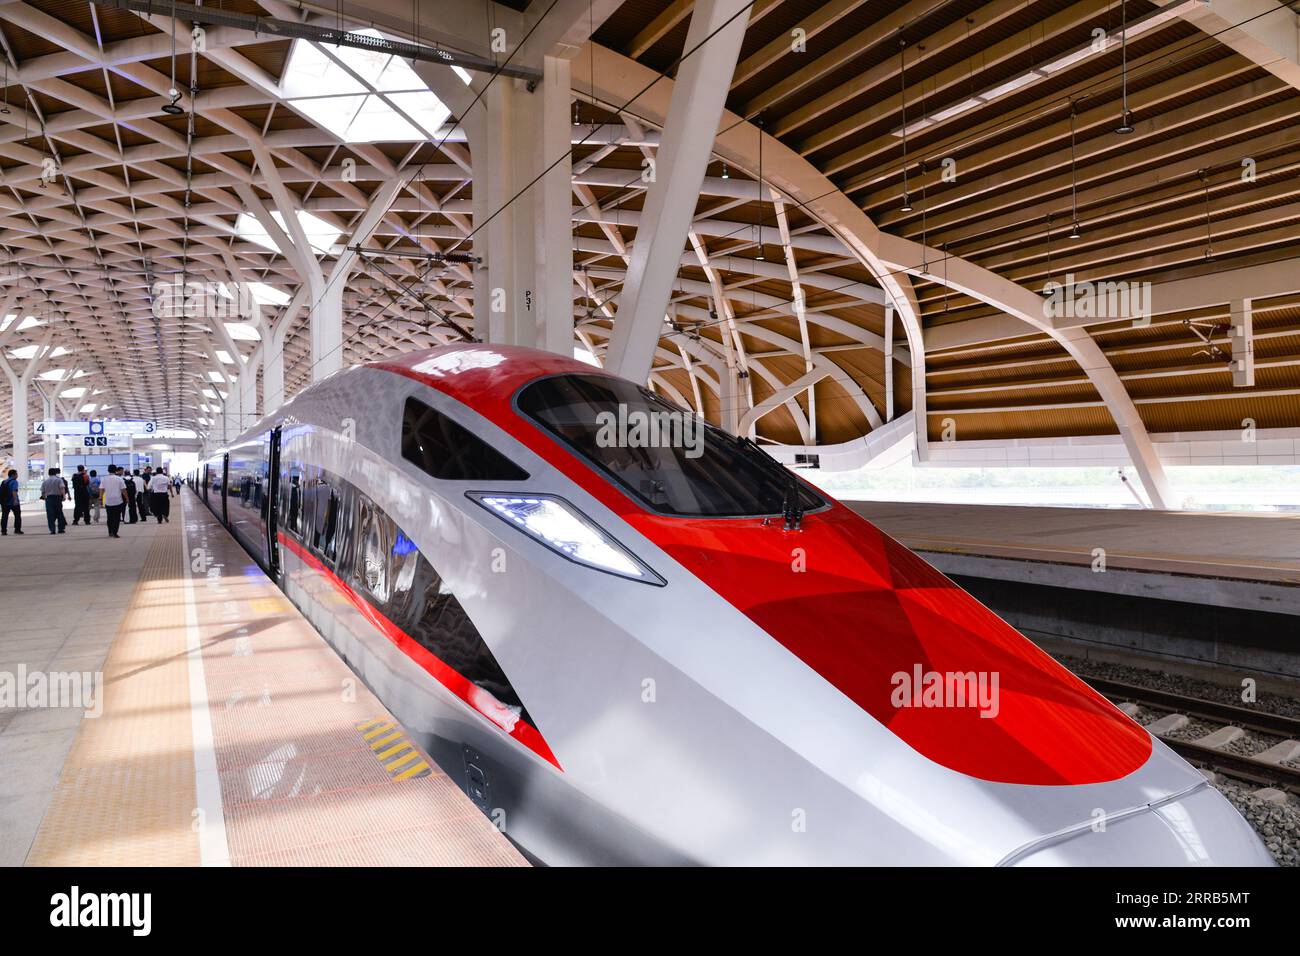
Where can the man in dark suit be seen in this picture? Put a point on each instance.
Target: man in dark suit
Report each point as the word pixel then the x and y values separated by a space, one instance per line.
pixel 80 495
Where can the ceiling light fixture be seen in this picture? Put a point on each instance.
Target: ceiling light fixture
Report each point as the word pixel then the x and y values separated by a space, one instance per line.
pixel 1048 284
pixel 902 97
pixel 173 108
pixel 1074 180
pixel 1125 121
pixel 1209 235
pixel 758 120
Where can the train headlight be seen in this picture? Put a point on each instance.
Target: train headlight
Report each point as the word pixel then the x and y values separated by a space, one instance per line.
pixel 559 526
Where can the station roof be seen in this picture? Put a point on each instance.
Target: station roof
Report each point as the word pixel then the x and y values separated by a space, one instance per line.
pixel 983 131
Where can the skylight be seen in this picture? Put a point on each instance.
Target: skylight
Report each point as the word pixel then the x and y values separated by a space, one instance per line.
pixel 361 96
pixel 28 322
pixel 268 294
pixel 321 236
pixel 243 332
pixel 73 392
pixel 29 351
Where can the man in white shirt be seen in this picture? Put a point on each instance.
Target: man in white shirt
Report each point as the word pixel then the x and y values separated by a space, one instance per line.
pixel 113 488
pixel 159 502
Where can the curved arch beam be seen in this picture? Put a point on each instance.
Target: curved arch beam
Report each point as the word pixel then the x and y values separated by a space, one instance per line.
pixel 848 383
pixel 619 78
pixel 1014 299
pixel 887 256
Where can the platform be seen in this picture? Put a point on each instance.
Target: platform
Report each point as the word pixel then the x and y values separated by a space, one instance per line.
pixel 1247 560
pixel 1202 588
pixel 230 732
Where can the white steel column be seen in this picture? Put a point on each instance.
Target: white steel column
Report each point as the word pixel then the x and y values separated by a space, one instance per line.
pixel 699 95
pixel 50 444
pixel 1242 338
pixel 20 387
pixel 523 288
pixel 326 320
pixel 1265 32
pixel 18 394
pixel 273 336
pixel 552 217
pixel 247 385
pixel 502 160
pixel 889 362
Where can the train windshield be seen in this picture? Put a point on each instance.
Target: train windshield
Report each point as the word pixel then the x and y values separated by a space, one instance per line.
pixel 671 460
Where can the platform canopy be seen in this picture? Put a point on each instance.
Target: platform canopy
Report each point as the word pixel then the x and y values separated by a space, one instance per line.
pixel 1008 220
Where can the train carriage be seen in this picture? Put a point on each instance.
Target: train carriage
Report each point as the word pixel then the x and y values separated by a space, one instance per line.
pixel 647 655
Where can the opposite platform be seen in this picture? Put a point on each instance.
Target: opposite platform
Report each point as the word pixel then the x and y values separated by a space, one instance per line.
pixel 230 732
pixel 1242 560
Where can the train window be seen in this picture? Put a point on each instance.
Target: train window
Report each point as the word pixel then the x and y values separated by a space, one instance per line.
pixel 324 501
pixel 673 462
pixel 328 536
pixel 433 616
pixel 294 513
pixel 375 534
pixel 289 509
pixel 449 451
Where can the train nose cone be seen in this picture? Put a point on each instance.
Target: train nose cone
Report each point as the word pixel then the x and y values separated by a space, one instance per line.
pixel 1199 829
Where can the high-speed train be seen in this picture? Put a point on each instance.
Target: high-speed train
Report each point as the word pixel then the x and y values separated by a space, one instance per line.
pixel 636 652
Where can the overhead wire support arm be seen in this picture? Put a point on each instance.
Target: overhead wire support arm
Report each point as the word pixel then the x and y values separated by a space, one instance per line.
pixel 412 294
pixel 461 258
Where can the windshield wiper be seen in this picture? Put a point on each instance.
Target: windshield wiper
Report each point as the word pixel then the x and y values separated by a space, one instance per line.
pixel 792 506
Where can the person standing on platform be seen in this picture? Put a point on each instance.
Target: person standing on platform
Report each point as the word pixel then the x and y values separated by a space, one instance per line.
pixel 55 491
pixel 10 493
pixel 81 495
pixel 113 488
pixel 132 510
pixel 142 493
pixel 159 503
pixel 96 499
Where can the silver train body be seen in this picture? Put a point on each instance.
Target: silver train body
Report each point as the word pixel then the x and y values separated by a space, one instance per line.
pixel 679 731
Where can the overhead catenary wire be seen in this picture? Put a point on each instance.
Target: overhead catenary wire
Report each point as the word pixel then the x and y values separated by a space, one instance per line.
pixel 460 241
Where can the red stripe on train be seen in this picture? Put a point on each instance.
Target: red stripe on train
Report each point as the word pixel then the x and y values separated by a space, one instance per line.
pixel 865 614
pixel 479 700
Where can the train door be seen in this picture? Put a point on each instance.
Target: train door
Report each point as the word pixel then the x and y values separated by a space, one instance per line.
pixel 225 481
pixel 272 504
pixel 205 483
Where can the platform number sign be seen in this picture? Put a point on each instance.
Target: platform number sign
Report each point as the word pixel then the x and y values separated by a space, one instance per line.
pixel 95 441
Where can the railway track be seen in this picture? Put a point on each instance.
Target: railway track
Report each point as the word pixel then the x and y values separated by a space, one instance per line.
pixel 1264 772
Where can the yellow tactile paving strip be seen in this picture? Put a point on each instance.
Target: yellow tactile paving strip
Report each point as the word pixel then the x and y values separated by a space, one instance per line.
pixel 127 793
pixel 299 783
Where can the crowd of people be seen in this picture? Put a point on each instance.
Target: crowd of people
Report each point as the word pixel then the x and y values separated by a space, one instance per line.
pixel 126 498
